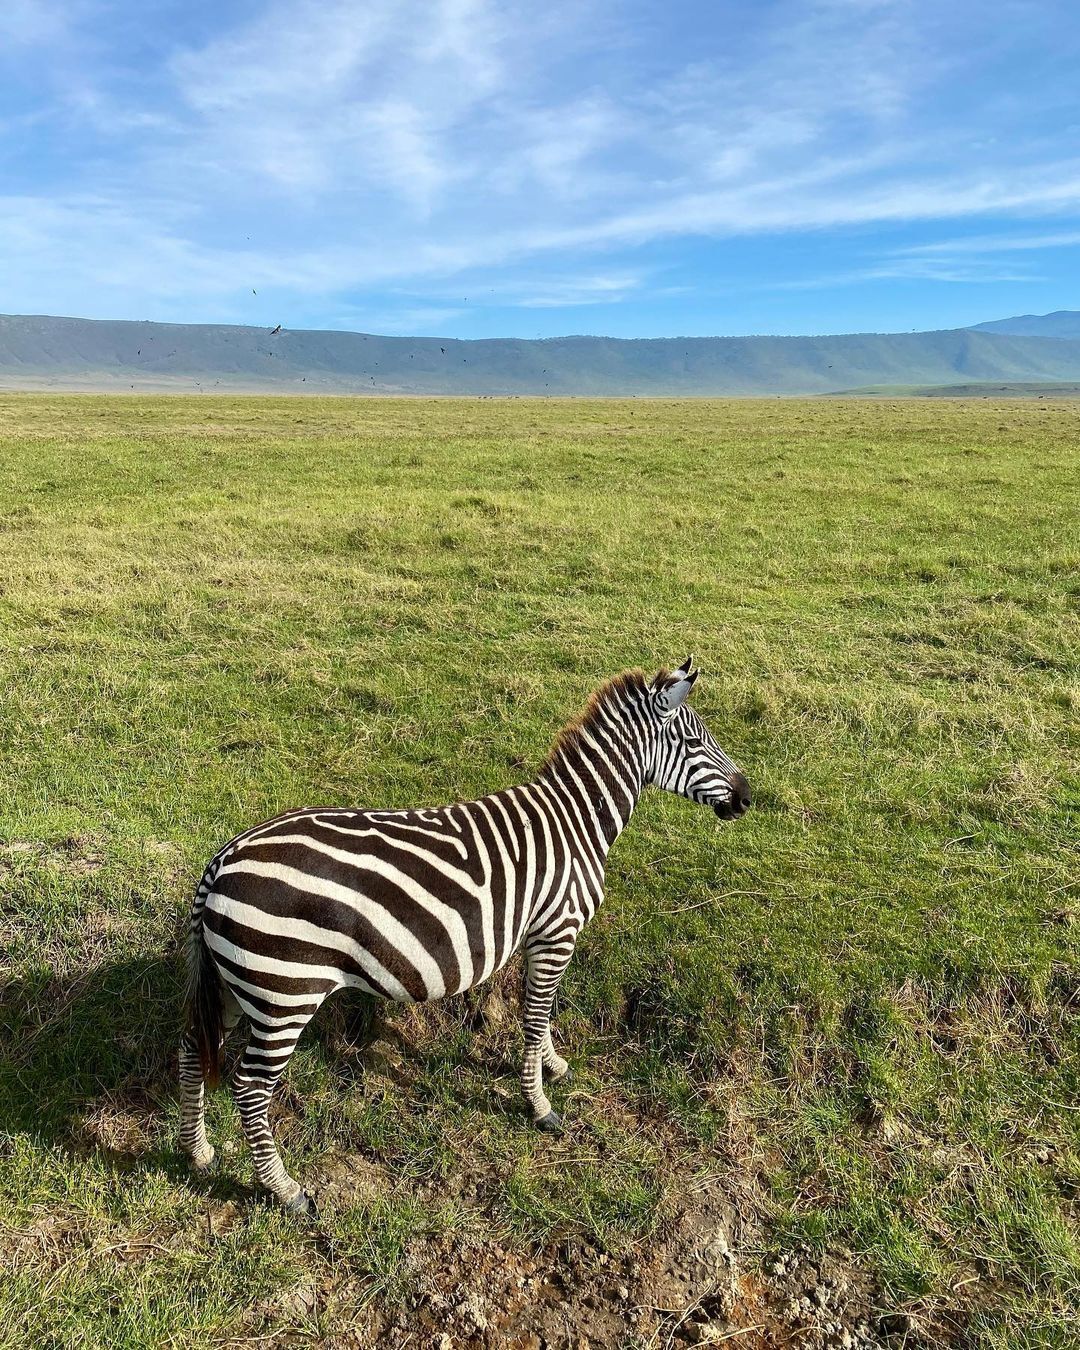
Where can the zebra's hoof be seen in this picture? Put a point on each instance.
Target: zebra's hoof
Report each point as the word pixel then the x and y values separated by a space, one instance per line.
pixel 568 1076
pixel 209 1168
pixel 301 1206
pixel 550 1124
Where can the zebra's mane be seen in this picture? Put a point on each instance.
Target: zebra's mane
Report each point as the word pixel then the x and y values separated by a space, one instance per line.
pixel 629 682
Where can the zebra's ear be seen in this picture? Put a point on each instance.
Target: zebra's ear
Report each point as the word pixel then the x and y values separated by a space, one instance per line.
pixel 662 678
pixel 672 690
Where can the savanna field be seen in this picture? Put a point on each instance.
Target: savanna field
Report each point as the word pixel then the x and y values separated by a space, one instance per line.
pixel 850 1018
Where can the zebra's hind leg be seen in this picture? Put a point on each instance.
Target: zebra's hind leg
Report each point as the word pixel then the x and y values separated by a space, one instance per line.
pixel 555 1066
pixel 193 1106
pixel 260 1067
pixel 193 1138
pixel 545 963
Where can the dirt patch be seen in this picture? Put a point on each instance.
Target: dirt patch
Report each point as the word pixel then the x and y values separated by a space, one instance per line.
pixel 78 855
pixel 124 1126
pixel 701 1278
pixel 169 857
pixel 698 1281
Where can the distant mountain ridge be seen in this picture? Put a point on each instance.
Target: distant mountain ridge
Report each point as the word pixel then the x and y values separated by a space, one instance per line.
pixel 1062 323
pixel 39 351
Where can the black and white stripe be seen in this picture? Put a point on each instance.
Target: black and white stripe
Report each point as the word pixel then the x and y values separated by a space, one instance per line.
pixel 412 905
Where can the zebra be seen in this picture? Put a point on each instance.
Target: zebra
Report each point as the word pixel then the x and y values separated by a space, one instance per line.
pixel 412 905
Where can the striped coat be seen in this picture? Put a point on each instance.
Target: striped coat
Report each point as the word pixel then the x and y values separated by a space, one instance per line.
pixel 413 905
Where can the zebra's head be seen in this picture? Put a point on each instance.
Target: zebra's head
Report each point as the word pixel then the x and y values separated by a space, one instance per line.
pixel 687 760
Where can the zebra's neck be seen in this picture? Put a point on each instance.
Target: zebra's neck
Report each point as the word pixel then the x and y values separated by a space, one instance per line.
pixel 598 768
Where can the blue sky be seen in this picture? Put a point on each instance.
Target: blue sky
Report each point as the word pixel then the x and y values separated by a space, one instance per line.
pixel 488 167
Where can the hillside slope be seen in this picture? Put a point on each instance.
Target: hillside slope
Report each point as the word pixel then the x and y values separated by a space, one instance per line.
pixel 1062 323
pixel 38 351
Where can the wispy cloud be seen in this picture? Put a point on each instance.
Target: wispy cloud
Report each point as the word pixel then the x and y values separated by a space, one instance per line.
pixel 553 291
pixel 25 23
pixel 600 290
pixel 327 96
pixel 993 243
pixel 911 269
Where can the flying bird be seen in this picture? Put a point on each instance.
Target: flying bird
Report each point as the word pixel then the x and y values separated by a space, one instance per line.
pixel 274 331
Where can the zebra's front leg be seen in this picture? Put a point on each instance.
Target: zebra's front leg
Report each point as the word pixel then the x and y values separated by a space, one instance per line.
pixel 545 963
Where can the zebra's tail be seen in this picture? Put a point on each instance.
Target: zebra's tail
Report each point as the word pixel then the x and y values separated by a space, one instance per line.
pixel 205 1011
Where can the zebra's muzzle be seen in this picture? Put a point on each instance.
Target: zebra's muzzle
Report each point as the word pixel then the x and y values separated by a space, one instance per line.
pixel 738 803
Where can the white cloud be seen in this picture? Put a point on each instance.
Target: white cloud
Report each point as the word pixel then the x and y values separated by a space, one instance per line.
pixel 594 290
pixel 912 269
pixel 292 56
pixel 326 96
pixel 552 291
pixel 25 23
pixel 994 243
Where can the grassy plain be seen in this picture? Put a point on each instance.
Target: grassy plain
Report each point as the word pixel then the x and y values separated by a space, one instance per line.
pixel 1044 389
pixel 864 997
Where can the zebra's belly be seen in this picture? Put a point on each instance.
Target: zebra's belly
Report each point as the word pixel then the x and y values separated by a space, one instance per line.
pixel 288 933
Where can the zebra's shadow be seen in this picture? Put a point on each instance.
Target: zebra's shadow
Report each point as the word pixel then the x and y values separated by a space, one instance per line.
pixel 86 1058
pixel 88 1061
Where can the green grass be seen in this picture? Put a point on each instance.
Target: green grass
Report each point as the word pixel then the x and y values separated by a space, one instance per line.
pixel 864 996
